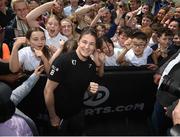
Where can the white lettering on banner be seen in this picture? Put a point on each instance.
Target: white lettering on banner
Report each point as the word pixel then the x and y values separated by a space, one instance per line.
pixel 109 109
pixel 101 97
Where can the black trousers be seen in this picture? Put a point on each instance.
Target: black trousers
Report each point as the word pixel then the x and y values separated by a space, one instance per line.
pixel 72 126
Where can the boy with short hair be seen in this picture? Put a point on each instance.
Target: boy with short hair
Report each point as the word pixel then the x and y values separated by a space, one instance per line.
pixel 137 53
pixel 161 49
pixel 123 34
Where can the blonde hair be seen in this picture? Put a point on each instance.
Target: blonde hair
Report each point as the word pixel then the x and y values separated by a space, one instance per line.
pixel 52 15
pixel 13 2
pixel 72 25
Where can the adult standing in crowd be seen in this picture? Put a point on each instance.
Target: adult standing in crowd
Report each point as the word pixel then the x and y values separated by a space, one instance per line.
pixel 72 73
pixel 70 9
pixel 18 26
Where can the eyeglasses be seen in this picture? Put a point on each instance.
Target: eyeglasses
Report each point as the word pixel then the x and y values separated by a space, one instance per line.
pixel 138 46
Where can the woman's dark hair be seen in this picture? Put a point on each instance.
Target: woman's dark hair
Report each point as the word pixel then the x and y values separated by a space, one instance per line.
pixel 88 30
pixel 69 45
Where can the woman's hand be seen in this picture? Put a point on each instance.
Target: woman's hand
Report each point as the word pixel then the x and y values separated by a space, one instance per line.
pixel 93 87
pixel 55 121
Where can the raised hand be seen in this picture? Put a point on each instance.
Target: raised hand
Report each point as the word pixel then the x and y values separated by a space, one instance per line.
pixel 38 53
pixel 20 41
pixel 56 5
pixel 39 70
pixel 93 87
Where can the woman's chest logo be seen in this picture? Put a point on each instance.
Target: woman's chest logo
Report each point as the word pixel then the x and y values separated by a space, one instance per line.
pixel 73 62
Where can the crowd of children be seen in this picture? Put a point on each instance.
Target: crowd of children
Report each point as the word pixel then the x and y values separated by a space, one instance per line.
pixel 129 33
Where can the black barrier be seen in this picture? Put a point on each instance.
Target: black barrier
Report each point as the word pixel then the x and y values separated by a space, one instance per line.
pixel 124 91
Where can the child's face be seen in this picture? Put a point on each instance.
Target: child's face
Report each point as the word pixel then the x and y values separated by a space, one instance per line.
pixel 154 34
pixel 122 38
pixel 106 16
pixel 163 40
pixel 177 12
pixel 100 31
pixel 146 22
pixel 145 9
pixel 37 40
pixel 52 26
pixel 161 14
pixel 176 40
pixel 173 26
pixel 138 46
pixel 66 28
pixel 60 8
pixel 108 49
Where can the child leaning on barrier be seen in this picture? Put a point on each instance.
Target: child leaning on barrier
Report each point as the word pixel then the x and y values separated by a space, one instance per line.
pixel 106 46
pixel 136 51
pixel 161 49
pixel 28 58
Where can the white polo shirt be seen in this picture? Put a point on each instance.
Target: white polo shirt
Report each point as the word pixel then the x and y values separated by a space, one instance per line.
pixel 27 59
pixel 112 61
pixel 132 59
